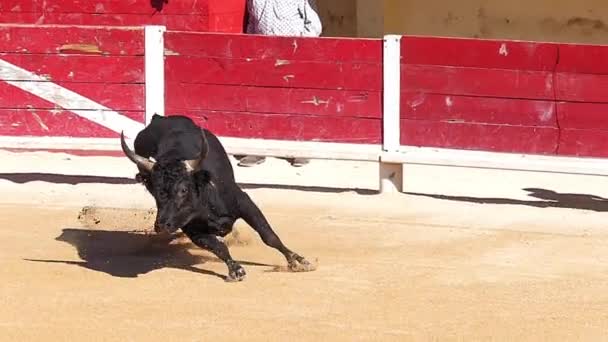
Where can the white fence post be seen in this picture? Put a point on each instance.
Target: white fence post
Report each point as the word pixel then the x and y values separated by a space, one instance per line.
pixel 155 70
pixel 392 93
pixel 391 174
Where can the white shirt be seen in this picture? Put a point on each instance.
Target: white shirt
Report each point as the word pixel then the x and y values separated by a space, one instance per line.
pixel 283 18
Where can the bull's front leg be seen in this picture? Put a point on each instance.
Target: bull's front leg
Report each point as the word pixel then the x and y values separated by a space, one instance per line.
pixel 254 217
pixel 236 272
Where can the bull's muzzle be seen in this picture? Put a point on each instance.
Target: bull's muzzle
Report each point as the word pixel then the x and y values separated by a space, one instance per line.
pixel 164 228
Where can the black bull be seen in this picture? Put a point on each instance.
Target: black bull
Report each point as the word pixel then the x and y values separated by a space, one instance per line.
pixel 193 184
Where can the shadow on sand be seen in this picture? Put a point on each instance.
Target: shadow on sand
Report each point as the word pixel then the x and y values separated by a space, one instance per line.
pixel 22 178
pixel 130 254
pixel 549 199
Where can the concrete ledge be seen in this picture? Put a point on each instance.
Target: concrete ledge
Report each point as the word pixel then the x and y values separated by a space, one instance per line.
pixel 496 160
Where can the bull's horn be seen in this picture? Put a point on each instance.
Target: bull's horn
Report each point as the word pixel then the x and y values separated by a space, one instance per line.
pixel 140 161
pixel 194 165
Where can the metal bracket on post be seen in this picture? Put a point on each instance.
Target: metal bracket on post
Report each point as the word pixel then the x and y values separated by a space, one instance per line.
pixel 154 70
pixel 391 174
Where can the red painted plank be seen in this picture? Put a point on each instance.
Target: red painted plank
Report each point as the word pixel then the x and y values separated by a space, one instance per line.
pixel 119 97
pixel 53 40
pixel 224 6
pixel 466 52
pixel 290 127
pixel 274 73
pixel 469 136
pixel 453 108
pixel 173 22
pixel 227 22
pixel 583 143
pixel 477 82
pixel 581 87
pixel 273 100
pixel 583 115
pixel 17 6
pixel 117 7
pixel 34 122
pixel 273 48
pixel 76 68
pixel 578 58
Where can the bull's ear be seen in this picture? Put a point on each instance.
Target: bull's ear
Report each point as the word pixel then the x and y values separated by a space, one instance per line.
pixel 194 165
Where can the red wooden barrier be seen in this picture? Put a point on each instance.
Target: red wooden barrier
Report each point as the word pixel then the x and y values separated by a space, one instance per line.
pixel 185 15
pixel 521 97
pixel 582 94
pixel 479 94
pixel 276 87
pixel 48 74
pixel 506 96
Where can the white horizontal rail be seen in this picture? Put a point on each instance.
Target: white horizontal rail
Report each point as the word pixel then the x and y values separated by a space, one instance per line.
pixel 497 160
pixel 302 149
pixel 356 152
pixel 261 147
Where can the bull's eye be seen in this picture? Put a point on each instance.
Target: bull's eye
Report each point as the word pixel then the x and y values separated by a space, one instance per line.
pixel 183 191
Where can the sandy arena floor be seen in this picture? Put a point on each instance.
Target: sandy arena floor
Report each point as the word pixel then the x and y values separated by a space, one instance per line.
pixel 484 262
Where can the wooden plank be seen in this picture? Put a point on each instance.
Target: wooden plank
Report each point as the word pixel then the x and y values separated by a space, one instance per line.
pixel 289 127
pixel 226 22
pixel 582 115
pixel 172 22
pixel 454 108
pixel 585 59
pixel 16 6
pixel 581 77
pixel 181 96
pixel 581 87
pixel 190 7
pixel 477 81
pixel 42 122
pixel 224 6
pixel 66 40
pixel 120 97
pixel 486 137
pixel 584 142
pixel 274 73
pixel 478 53
pixel 213 45
pixel 79 68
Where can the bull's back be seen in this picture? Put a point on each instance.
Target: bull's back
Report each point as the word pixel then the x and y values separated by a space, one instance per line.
pixel 177 136
pixel 181 137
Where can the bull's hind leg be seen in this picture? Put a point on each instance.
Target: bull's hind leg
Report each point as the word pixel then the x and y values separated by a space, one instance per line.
pixel 236 272
pixel 250 212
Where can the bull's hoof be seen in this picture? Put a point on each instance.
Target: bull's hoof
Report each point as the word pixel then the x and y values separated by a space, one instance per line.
pixel 299 264
pixel 236 274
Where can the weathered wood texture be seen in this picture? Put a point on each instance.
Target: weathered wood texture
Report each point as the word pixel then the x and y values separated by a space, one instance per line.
pixel 103 65
pixel 314 89
pixel 507 96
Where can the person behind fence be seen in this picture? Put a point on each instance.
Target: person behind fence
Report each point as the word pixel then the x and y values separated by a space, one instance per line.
pixel 281 18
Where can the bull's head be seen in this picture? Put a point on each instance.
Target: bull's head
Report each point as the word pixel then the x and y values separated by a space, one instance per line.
pixel 173 183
